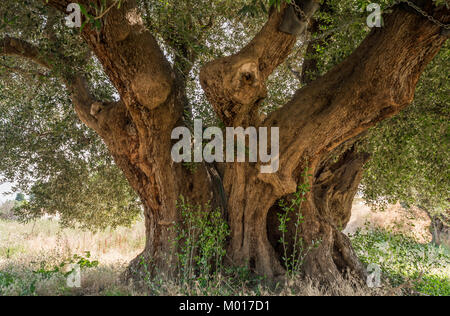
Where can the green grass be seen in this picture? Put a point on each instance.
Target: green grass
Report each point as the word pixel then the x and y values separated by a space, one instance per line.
pixel 402 259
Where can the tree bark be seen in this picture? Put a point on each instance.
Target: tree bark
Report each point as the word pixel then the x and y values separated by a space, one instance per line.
pixel 372 84
pixel 137 129
pixel 375 82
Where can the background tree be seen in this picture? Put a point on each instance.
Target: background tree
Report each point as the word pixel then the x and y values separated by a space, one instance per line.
pixel 135 74
pixel 20 197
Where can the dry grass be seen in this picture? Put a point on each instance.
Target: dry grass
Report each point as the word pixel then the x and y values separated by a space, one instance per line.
pixel 24 249
pixel 409 222
pixel 45 237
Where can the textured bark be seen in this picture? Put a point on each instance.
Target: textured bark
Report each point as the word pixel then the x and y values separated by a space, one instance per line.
pixel 333 190
pixel 137 129
pixel 310 63
pixel 374 83
pixel 236 85
pixel 326 213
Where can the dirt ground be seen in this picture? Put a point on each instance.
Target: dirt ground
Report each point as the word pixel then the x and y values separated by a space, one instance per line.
pixel 411 222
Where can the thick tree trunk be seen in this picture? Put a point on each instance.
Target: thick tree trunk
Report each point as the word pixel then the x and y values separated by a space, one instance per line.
pixel 326 213
pixel 374 83
pixel 142 150
pixel 255 235
pixel 137 129
pixel 350 99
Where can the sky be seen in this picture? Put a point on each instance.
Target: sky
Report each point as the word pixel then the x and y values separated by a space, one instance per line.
pixel 5 187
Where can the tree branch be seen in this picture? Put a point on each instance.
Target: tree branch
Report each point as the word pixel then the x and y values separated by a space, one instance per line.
pixel 235 85
pixel 22 71
pixel 10 46
pixel 129 54
pixel 79 91
pixel 372 84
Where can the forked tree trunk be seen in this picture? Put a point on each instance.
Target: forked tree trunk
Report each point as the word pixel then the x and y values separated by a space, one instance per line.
pixel 360 92
pixel 374 83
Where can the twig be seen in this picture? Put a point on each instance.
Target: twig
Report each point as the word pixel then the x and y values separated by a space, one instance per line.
pixel 107 10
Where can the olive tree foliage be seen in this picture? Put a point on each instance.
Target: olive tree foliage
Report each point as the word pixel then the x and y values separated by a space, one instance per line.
pixel 65 168
pixel 44 148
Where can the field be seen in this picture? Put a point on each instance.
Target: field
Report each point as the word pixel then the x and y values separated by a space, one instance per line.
pixel 29 253
pixel 35 260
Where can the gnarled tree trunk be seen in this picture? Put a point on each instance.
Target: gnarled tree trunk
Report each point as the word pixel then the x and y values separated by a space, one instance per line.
pixel 372 84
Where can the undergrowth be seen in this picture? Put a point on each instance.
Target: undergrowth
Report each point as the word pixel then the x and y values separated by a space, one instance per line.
pixel 200 246
pixel 402 260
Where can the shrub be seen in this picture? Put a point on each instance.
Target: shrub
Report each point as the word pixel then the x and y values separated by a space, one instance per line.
pixel 200 241
pixel 402 259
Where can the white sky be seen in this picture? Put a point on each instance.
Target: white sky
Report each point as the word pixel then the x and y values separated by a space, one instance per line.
pixel 5 187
